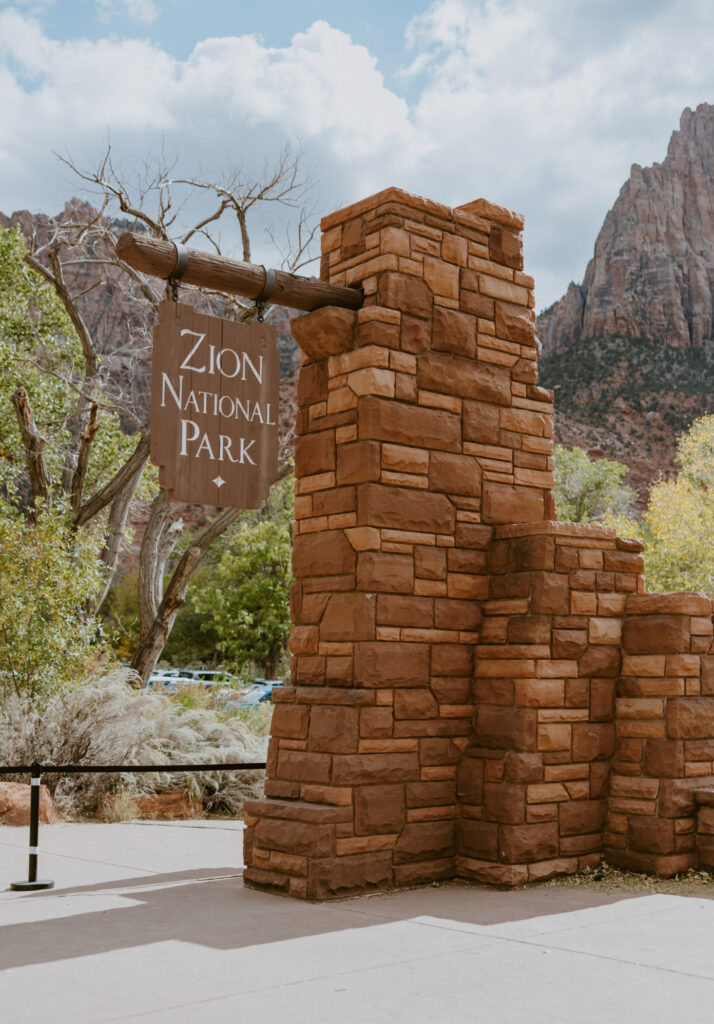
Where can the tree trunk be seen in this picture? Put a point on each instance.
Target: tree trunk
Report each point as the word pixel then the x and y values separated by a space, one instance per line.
pixel 115 534
pixel 153 641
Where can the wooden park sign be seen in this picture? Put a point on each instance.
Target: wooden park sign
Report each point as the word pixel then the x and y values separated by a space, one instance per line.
pixel 214 408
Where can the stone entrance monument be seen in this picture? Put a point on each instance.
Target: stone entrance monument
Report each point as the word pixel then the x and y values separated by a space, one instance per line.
pixel 479 690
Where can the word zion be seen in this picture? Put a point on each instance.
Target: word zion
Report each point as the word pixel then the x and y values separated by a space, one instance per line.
pixel 214 404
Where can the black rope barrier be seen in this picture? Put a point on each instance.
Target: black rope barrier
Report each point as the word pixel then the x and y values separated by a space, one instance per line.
pixel 37 770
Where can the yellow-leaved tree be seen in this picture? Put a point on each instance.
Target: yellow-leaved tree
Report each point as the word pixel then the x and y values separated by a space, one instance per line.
pixel 678 526
pixel 679 522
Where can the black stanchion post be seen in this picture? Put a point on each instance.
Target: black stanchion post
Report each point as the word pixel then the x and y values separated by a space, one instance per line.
pixel 32 881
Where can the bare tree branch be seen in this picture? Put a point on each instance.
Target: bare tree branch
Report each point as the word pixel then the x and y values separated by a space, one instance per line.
pixel 85 447
pixel 34 444
pixel 122 478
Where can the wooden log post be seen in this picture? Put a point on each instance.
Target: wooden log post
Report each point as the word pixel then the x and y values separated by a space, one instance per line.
pixel 206 270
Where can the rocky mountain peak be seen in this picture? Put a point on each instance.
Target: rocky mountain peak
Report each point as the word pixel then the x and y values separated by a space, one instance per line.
pixel 652 273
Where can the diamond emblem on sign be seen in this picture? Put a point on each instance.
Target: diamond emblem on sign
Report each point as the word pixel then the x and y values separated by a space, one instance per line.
pixel 218 481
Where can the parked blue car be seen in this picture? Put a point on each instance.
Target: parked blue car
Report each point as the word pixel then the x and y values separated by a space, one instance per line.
pixel 260 691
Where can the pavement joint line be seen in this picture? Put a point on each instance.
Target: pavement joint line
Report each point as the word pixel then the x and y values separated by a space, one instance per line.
pixel 621 917
pixel 392 963
pixel 604 956
pixel 91 860
pixel 483 931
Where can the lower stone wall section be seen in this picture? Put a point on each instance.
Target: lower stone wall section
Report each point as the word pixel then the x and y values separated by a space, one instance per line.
pixel 665 733
pixel 534 781
pixel 591 732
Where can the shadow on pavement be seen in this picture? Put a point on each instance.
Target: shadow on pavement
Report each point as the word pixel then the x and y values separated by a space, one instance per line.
pixel 212 908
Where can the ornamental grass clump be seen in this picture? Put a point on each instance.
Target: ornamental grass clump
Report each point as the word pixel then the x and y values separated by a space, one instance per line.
pixel 108 721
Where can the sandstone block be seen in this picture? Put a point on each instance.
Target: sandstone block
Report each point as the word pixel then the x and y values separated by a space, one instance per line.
pixel 358 463
pixel 650 835
pixel 506 503
pixel 295 837
pixel 325 332
pixel 550 594
pixel 303 766
pixel 454 474
pixel 332 877
pixel 322 554
pixel 669 604
pixel 404 509
pixel 569 643
pixel 379 809
pixel 529 629
pixel 506 728
pixel 415 704
pixel 410 294
pixel 333 730
pixel 465 378
pixel 348 617
pixel 504 802
pixel 469 780
pixel 554 737
pixel 312 384
pixel 478 839
pixel 380 419
pixel 438 751
pixel 524 843
pixel 385 664
pixel 451 659
pixel 376 723
pixel 429 562
pixel 480 422
pixel 361 769
pixel 315 453
pixel 431 794
pixel 425 840
pixel 656 634
pixel 383 571
pixel 424 872
pixel 605 631
pixel 540 693
pixel 593 741
pixel 514 323
pixel 600 661
pixel 582 817
pixel 415 334
pixel 690 718
pixel 602 700
pixel 454 332
pixel 289 721
pixel 523 768
pixel 397 610
pixel 450 613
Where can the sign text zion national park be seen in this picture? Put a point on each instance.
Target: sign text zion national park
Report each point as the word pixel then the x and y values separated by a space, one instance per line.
pixel 214 408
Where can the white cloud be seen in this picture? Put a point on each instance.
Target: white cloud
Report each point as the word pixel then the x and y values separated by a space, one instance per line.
pixel 541 105
pixel 144 12
pixel 544 106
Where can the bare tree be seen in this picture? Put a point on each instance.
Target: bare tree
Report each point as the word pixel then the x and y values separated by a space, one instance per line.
pixel 76 255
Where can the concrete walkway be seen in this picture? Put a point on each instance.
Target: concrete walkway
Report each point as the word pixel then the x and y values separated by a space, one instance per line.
pixel 150 924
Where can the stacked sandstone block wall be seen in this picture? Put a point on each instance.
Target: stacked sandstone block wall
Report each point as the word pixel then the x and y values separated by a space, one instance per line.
pixel 478 690
pixel 420 426
pixel 665 733
pixel 533 782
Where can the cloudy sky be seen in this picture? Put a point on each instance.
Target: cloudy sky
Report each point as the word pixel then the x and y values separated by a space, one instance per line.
pixel 539 105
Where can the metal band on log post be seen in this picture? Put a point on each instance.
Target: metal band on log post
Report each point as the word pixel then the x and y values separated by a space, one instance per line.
pixel 152 256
